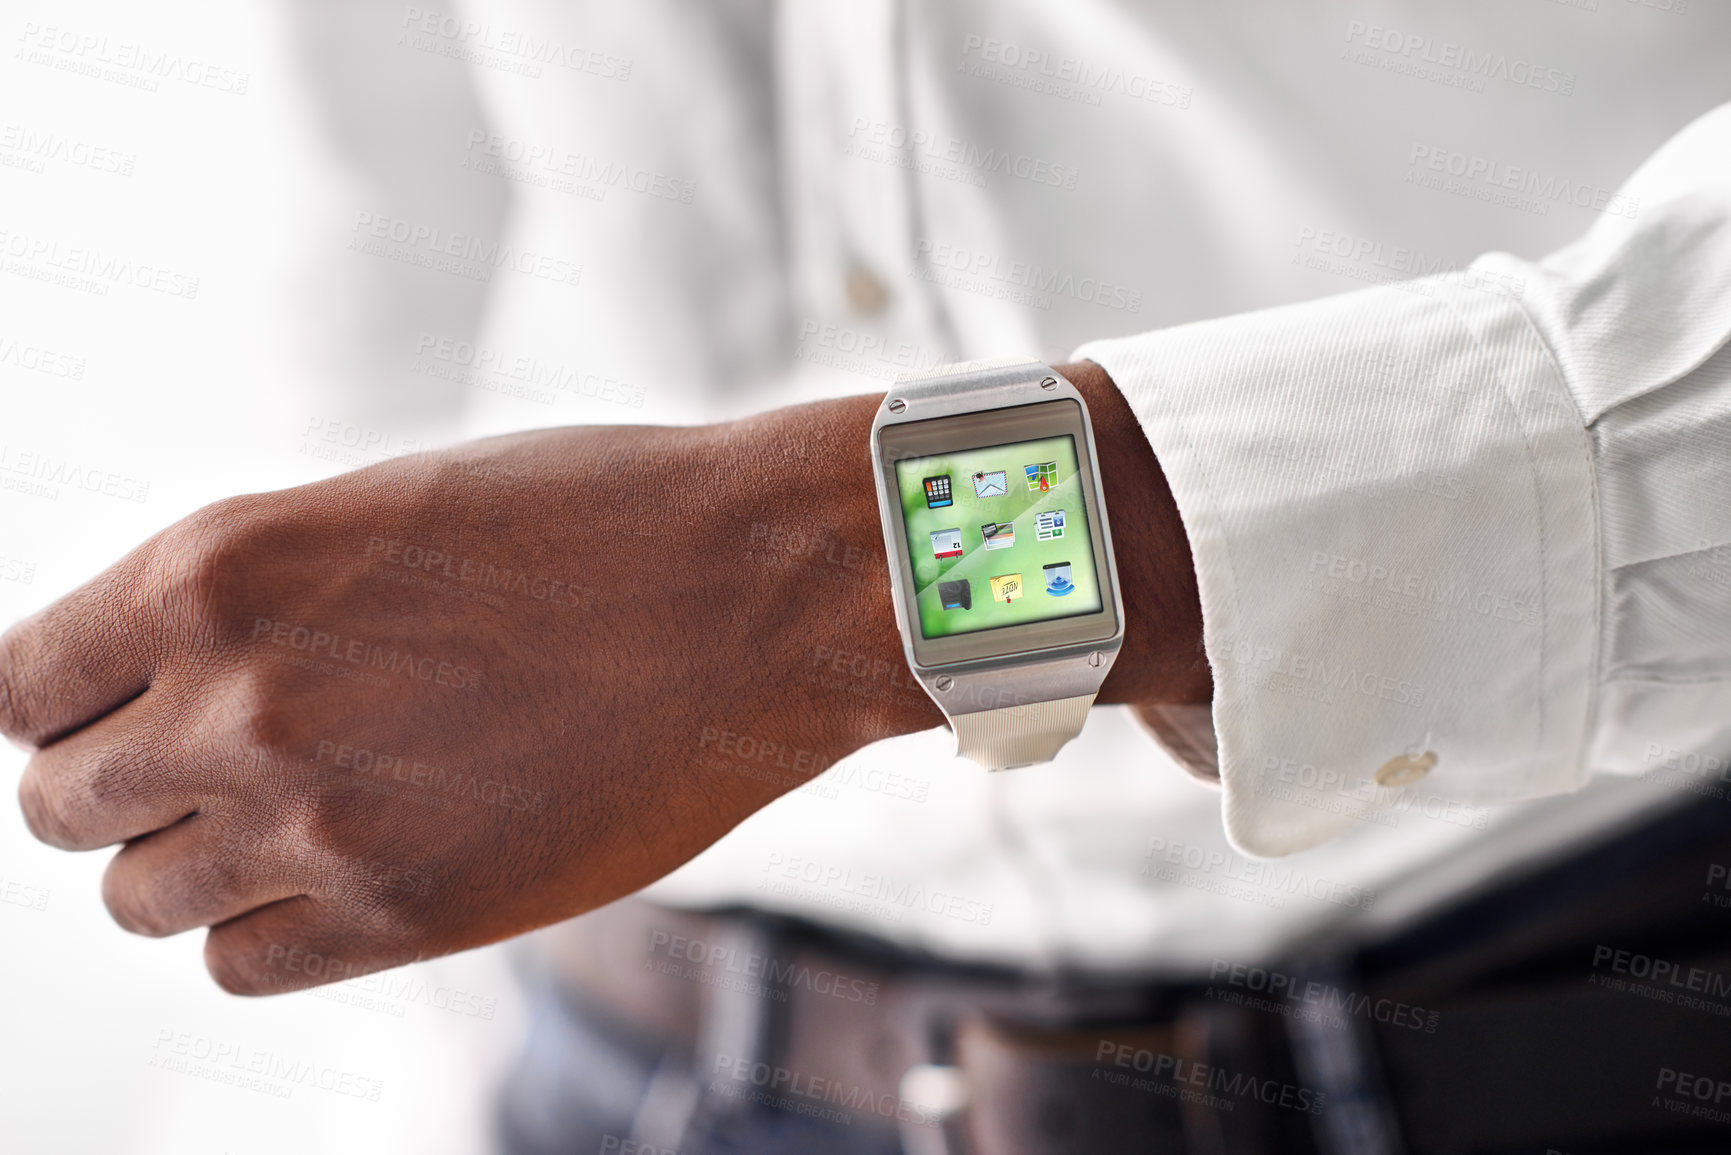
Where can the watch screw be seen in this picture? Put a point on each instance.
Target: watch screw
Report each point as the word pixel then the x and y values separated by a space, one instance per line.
pixel 897 405
pixel 943 683
pixel 1049 383
pixel 1096 658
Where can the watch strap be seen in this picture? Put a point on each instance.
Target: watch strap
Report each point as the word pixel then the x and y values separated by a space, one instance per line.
pixel 966 369
pixel 1014 736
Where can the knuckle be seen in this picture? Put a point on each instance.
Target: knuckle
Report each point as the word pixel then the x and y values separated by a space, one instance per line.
pixel 45 812
pixel 111 778
pixel 16 715
pixel 11 720
pixel 136 906
pixel 233 967
pixel 260 717
pixel 386 904
pixel 193 549
pixel 189 560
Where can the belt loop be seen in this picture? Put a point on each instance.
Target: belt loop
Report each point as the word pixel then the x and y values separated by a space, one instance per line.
pixel 1340 1061
pixel 743 1026
pixel 936 1099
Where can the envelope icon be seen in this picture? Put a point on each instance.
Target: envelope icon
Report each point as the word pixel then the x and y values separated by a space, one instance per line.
pixel 991 484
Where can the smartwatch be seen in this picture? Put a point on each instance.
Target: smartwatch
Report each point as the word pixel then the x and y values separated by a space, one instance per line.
pixel 999 555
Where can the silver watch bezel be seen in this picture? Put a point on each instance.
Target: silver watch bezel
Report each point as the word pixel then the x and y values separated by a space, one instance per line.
pixel 968 673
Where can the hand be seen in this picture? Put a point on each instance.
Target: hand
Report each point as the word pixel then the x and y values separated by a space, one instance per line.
pixel 461 695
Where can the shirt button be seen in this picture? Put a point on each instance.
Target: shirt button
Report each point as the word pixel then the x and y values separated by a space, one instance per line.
pixel 865 292
pixel 1405 769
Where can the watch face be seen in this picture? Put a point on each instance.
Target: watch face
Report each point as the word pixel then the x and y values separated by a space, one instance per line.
pixel 1011 545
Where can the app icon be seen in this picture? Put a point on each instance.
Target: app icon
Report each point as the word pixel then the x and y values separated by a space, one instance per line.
pixel 938 491
pixel 956 595
pixel 947 542
pixel 1049 526
pixel 1058 579
pixel 1007 587
pixel 1043 476
pixel 991 484
pixel 999 535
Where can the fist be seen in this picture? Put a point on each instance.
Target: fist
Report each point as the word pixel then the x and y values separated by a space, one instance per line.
pixel 436 702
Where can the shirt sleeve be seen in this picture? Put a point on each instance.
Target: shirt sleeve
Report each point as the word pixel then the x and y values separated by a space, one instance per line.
pixel 1462 540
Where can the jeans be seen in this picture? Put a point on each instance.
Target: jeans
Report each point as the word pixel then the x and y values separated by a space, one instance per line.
pixel 587 1084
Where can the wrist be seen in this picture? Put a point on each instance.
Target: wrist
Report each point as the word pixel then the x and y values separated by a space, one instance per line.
pixel 813 535
pixel 1162 659
pixel 809 533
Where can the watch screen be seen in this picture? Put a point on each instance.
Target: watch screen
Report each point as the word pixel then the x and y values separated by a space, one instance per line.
pixel 998 536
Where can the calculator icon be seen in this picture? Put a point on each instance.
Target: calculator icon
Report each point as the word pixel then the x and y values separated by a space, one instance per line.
pixel 938 491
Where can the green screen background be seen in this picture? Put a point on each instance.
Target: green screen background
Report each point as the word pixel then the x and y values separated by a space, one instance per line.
pixel 1026 556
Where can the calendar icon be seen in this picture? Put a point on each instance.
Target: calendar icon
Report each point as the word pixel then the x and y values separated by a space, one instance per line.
pixel 947 542
pixel 938 492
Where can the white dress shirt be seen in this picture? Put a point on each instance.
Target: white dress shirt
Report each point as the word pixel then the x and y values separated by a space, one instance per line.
pixel 1472 530
pixel 1462 537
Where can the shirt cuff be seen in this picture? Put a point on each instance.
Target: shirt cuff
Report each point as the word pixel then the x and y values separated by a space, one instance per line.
pixel 1390 502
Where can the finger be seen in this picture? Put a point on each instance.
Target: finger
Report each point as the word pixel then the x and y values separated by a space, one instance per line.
pixel 201 871
pixel 298 943
pixel 78 659
pixel 124 776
